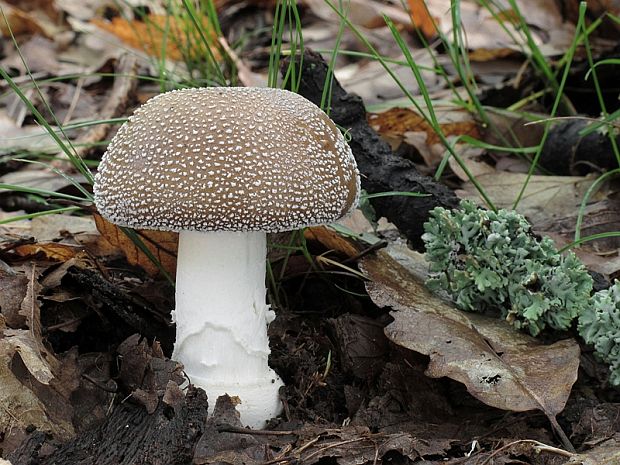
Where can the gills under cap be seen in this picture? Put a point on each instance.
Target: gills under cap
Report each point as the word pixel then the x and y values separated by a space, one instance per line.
pixel 227 159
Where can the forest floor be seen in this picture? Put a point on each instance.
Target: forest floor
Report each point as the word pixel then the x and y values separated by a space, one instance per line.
pixel 377 369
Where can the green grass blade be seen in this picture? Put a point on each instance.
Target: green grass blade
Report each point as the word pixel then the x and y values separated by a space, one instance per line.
pixel 29 216
pixel 570 54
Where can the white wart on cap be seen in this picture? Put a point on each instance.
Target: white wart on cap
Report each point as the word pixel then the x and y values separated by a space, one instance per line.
pixel 227 159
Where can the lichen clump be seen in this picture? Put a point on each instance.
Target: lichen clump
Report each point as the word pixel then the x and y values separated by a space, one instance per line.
pixel 492 262
pixel 599 325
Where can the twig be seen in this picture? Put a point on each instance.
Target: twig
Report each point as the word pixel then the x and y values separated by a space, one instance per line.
pixel 64 324
pixel 539 446
pixel 376 246
pixel 99 384
pixel 331 446
pixel 561 434
pixel 226 428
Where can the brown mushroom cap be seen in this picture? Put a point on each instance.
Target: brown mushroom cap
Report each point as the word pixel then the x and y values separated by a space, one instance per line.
pixel 227 159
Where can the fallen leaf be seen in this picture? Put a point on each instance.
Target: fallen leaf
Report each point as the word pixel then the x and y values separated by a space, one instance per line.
pixel 406 125
pixel 53 227
pixel 366 13
pixel 545 197
pixel 50 250
pixel 499 366
pixel 354 445
pixel 159 35
pixel 38 178
pixel 29 398
pixel 19 406
pixel 13 287
pixel 40 54
pixel 482 29
pixel 33 351
pixel 398 121
pixel 22 342
pixel 332 240
pixel 29 18
pixel 486 54
pixel 421 18
pixel 162 244
pixel 14 138
pixel 599 217
pixel 367 78
pixel 605 453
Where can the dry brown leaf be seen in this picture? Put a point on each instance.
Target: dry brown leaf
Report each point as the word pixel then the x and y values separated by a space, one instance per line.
pixel 545 198
pixel 366 13
pixel 19 22
pixel 30 17
pixel 54 227
pixel 599 217
pixel 549 30
pixel 157 34
pixel 488 54
pixel 421 18
pixel 332 240
pixel 399 125
pixel 46 7
pixel 398 121
pixel 39 177
pixel 19 406
pixel 50 250
pixel 13 288
pixel 498 365
pixel 606 452
pixel 19 402
pixel 31 310
pixel 162 244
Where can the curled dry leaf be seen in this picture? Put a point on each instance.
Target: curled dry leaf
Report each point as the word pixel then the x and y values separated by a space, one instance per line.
pixel 20 403
pixel 162 244
pixel 399 125
pixel 332 240
pixel 499 366
pixel 29 344
pixel 50 250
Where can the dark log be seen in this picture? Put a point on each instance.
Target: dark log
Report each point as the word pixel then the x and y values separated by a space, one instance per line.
pixel 568 152
pixel 130 436
pixel 381 170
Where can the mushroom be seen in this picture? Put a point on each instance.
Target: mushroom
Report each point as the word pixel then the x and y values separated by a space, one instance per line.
pixel 223 167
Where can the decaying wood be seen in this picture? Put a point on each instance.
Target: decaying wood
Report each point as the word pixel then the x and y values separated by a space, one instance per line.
pixel 130 436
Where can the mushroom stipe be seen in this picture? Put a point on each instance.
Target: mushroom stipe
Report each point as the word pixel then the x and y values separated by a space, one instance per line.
pixel 224 166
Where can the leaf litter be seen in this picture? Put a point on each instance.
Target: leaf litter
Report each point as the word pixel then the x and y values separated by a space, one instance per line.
pixel 368 382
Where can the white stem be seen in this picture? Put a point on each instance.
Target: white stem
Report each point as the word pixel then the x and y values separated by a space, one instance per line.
pixel 222 320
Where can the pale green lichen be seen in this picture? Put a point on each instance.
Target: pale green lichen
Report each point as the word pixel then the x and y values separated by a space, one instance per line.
pixel 599 325
pixel 491 261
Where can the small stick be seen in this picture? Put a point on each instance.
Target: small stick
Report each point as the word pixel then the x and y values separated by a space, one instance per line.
pixel 226 428
pixel 99 384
